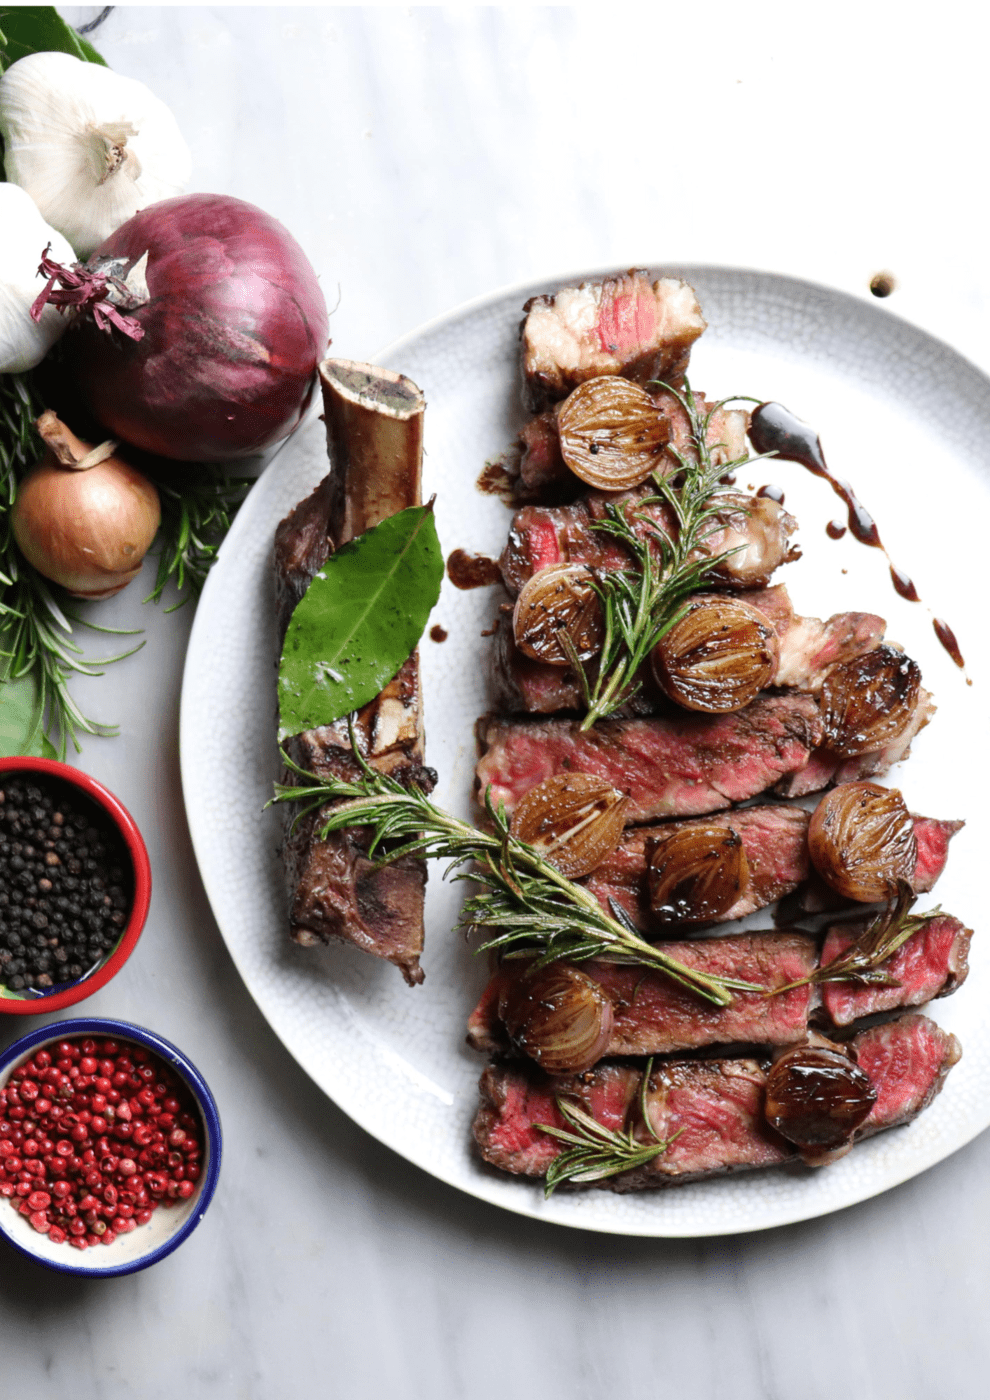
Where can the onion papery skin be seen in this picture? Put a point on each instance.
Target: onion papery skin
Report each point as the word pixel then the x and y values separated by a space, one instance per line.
pixel 88 531
pixel 234 328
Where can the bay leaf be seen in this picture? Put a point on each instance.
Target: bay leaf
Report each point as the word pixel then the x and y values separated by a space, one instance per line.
pixel 359 620
pixel 21 716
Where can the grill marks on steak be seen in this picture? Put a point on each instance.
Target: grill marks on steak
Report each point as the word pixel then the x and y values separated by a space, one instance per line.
pixel 715 1106
pixel 756 527
pixel 621 325
pixel 667 768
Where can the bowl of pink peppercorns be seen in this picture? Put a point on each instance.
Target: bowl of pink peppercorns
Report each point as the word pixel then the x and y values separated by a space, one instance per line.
pixel 110 1147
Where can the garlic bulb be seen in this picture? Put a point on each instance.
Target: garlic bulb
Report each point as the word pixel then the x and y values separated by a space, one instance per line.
pixel 24 235
pixel 89 146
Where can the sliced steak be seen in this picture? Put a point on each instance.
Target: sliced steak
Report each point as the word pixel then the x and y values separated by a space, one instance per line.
pixel 714 1106
pixel 621 325
pixel 907 1061
pixel 655 1016
pixel 652 1015
pixel 667 768
pixel 774 837
pixel 932 963
pixel 756 527
pixel 374 431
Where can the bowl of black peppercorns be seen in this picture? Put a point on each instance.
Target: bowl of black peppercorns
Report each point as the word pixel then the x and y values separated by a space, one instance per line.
pixel 75 885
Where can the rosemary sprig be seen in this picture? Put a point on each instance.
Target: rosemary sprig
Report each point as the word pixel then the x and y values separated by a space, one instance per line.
pixel 198 508
pixel 863 960
pixel 641 604
pixel 597 1152
pixel 531 904
pixel 36 631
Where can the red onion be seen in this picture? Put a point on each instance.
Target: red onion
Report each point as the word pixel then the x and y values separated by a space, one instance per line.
pixel 234 324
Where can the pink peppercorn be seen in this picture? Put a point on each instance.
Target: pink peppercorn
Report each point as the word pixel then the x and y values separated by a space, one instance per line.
pixel 60 1126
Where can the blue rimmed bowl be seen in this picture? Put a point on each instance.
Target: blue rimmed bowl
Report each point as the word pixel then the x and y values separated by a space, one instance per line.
pixel 168 1226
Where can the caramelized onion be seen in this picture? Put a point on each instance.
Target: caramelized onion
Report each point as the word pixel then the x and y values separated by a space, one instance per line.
pixel 718 657
pixel 697 873
pixel 861 840
pixel 817 1097
pixel 559 1016
pixel 869 702
pixel 558 599
pixel 612 435
pixel 573 820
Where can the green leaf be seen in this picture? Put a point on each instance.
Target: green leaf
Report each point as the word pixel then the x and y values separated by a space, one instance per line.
pixel 21 715
pixel 359 620
pixel 28 29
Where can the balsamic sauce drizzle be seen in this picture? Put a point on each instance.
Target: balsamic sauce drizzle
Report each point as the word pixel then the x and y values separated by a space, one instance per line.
pixel 775 429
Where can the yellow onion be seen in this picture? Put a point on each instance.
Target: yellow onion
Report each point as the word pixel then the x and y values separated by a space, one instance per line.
pixel 861 840
pixel 697 872
pixel 869 702
pixel 612 435
pixel 83 517
pixel 559 1016
pixel 573 820
pixel 817 1097
pixel 718 656
pixel 556 600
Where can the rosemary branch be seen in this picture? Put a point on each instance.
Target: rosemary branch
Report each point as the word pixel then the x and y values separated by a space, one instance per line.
pixel 525 898
pixel 198 508
pixel 597 1152
pixel 36 646
pixel 863 960
pixel 641 604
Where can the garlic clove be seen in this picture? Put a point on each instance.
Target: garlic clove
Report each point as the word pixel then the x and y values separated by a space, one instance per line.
pixel 24 235
pixel 90 146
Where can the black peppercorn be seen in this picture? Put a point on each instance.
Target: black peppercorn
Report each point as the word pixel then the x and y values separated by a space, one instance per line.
pixel 65 887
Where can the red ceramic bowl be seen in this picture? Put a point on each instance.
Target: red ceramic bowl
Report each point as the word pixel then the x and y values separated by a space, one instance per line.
pixel 64 994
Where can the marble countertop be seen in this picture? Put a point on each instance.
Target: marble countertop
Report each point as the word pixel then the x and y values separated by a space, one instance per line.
pixel 423 157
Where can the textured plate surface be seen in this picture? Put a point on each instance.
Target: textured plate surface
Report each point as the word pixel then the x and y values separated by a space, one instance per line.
pixel 900 414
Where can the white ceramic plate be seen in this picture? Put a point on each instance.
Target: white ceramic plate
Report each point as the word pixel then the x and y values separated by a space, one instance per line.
pixel 901 415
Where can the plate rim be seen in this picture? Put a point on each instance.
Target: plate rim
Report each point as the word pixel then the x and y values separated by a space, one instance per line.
pixel 475 1187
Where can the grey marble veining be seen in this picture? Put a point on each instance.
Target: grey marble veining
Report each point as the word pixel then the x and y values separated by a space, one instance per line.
pixel 423 157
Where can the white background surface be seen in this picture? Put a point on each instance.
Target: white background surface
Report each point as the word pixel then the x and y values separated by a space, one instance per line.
pixel 423 157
